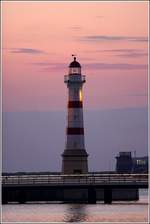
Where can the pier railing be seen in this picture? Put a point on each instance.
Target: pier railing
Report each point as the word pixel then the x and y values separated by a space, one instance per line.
pixel 86 179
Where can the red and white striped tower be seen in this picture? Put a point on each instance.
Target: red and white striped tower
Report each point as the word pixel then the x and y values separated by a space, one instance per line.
pixel 75 155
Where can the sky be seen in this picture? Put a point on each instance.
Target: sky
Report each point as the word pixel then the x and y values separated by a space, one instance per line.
pixel 110 40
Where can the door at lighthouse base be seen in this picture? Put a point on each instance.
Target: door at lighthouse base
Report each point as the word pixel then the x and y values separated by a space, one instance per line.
pixel 77 171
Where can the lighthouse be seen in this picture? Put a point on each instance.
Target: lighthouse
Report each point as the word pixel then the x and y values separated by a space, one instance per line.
pixel 75 155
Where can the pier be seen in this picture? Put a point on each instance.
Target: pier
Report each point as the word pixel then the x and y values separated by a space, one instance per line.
pixel 75 188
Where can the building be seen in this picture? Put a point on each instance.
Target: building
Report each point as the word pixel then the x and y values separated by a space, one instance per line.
pixel 124 162
pixel 75 156
pixel 140 164
pixel 128 164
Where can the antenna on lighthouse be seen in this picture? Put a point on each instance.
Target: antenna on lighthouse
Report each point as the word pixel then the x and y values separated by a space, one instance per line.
pixel 74 56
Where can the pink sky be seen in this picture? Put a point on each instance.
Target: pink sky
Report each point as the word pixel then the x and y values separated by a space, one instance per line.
pixel 109 38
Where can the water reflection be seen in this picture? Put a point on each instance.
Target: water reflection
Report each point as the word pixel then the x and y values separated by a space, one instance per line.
pixel 76 213
pixel 120 212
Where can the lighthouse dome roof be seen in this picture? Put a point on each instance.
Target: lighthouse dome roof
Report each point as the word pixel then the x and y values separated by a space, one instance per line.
pixel 75 64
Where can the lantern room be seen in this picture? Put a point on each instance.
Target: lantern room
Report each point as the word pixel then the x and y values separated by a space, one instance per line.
pixel 74 67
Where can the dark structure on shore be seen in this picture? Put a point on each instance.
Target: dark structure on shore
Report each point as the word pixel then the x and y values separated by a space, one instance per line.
pixel 87 188
pixel 128 164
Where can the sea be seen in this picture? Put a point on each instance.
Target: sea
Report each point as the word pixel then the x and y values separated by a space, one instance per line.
pixel 118 212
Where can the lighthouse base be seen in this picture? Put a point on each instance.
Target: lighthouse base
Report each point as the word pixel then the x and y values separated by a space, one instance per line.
pixel 75 161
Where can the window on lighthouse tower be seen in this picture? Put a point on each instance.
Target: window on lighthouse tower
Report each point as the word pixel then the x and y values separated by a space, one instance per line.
pixel 80 95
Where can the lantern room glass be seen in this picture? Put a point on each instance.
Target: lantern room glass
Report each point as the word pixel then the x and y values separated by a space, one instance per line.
pixel 74 70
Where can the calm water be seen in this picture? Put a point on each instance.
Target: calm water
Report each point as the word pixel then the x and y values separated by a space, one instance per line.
pixel 121 212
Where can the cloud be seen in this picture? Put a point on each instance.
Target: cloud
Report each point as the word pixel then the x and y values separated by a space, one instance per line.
pixel 128 53
pixel 120 50
pixel 123 52
pixel 75 27
pixel 49 65
pixel 117 66
pixel 138 94
pixel 94 66
pixel 99 17
pixel 133 55
pixel 100 38
pixel 86 58
pixel 27 51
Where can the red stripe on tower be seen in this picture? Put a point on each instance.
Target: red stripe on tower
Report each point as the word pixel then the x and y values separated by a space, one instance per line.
pixel 75 131
pixel 75 104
